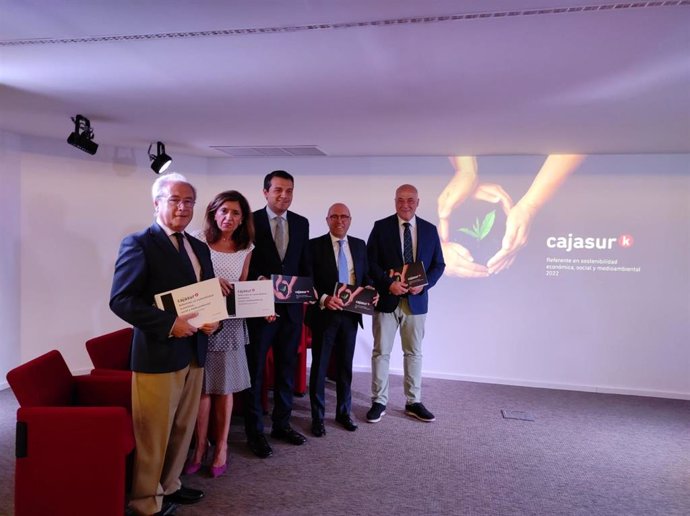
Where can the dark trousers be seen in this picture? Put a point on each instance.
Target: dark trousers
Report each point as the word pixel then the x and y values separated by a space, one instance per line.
pixel 283 336
pixel 338 338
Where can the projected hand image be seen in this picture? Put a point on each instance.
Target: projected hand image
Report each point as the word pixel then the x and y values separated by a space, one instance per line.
pixel 465 185
pixel 517 230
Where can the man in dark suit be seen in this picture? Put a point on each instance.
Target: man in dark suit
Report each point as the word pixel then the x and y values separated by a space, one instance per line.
pixel 168 353
pixel 394 241
pixel 335 257
pixel 281 242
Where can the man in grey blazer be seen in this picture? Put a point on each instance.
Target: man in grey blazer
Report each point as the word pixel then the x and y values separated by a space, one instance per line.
pixel 168 353
pixel 394 241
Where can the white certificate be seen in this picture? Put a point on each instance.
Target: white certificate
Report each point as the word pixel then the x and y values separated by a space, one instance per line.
pixel 251 299
pixel 205 298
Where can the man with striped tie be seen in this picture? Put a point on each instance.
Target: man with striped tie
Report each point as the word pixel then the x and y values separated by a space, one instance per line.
pixel 168 353
pixel 397 240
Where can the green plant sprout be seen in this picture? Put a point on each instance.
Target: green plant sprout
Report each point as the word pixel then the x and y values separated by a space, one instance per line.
pixel 479 231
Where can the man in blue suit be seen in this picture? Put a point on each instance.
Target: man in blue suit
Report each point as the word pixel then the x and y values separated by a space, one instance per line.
pixel 394 241
pixel 281 240
pixel 335 257
pixel 168 353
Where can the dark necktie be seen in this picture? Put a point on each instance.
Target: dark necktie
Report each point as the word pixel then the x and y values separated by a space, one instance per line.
pixel 343 273
pixel 407 244
pixel 183 254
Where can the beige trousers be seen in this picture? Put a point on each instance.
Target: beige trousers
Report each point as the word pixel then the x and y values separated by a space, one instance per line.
pixel 385 326
pixel 164 409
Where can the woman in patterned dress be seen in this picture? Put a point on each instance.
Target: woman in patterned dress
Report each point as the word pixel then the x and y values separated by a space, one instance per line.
pixel 229 233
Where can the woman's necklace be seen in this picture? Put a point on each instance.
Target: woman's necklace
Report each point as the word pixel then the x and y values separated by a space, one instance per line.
pixel 227 243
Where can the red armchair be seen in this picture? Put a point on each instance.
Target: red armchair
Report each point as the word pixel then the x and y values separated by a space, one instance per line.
pixel 74 436
pixel 300 386
pixel 301 369
pixel 110 352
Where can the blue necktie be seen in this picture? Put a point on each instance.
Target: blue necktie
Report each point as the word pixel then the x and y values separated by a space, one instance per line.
pixel 343 272
pixel 184 256
pixel 407 244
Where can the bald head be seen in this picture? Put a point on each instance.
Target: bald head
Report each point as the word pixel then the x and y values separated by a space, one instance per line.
pixel 338 220
pixel 406 188
pixel 406 201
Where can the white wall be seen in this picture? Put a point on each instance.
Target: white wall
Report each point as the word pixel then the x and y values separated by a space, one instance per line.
pixel 10 200
pixel 74 209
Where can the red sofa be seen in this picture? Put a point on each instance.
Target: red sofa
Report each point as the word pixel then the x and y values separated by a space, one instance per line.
pixel 74 440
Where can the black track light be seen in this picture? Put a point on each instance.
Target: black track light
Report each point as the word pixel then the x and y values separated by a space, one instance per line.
pixel 82 137
pixel 159 161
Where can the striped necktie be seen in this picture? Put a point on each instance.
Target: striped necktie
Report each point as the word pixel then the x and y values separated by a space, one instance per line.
pixel 407 244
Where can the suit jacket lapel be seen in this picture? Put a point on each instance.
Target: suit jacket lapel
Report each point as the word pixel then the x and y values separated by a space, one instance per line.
pixel 166 245
pixel 329 258
pixel 162 239
pixel 261 219
pixel 395 234
pixel 356 261
pixel 420 242
pixel 291 231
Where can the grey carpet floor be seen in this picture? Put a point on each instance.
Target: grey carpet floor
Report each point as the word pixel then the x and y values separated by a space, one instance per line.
pixel 583 454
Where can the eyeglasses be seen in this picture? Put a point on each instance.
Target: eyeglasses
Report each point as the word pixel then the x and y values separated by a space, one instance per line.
pixel 339 217
pixel 176 201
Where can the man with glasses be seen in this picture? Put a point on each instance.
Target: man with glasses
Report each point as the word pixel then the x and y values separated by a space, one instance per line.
pixel 168 353
pixel 336 258
pixel 397 240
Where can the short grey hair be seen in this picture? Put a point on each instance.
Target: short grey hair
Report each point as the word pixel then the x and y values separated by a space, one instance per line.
pixel 165 180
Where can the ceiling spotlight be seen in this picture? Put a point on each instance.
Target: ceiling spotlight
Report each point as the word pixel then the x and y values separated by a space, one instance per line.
pixel 82 137
pixel 159 161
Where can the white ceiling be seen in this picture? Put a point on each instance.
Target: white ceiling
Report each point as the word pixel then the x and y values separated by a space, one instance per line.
pixel 611 79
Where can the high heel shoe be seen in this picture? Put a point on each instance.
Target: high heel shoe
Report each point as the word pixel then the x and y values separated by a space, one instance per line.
pixel 191 468
pixel 217 471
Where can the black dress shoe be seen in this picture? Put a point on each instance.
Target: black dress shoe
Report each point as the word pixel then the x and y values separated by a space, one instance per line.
pixel 346 422
pixel 184 496
pixel 259 446
pixel 168 509
pixel 288 435
pixel 318 429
